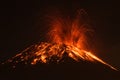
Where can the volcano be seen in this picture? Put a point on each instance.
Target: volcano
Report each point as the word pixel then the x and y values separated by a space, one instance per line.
pixel 66 36
pixel 64 56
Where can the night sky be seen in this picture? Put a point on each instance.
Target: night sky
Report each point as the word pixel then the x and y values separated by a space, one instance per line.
pixel 23 23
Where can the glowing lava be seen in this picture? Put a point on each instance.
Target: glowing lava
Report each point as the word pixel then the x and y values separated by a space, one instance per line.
pixel 66 36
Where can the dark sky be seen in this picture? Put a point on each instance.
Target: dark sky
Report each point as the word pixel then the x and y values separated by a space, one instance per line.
pixel 22 24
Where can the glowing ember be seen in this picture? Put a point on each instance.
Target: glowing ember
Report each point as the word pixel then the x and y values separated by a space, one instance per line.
pixel 66 36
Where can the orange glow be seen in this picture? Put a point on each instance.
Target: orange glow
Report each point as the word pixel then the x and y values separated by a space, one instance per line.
pixel 65 36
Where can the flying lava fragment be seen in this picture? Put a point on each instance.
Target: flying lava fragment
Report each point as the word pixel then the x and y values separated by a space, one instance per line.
pixel 65 36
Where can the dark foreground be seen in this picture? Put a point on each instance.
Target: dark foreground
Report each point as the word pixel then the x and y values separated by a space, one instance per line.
pixel 67 70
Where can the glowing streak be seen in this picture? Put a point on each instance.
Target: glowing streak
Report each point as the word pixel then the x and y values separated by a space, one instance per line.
pixel 96 58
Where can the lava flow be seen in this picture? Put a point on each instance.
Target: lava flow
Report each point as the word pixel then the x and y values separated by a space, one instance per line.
pixel 66 36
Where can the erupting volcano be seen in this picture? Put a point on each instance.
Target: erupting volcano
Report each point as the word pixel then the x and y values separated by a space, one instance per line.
pixel 66 36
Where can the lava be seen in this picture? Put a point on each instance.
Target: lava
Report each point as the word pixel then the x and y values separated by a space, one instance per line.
pixel 65 36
